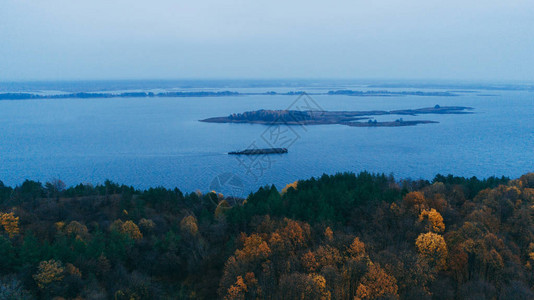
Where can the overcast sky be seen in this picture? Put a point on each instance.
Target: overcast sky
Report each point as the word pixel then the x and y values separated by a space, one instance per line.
pixel 172 39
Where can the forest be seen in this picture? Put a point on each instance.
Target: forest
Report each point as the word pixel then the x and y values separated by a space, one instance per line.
pixel 342 236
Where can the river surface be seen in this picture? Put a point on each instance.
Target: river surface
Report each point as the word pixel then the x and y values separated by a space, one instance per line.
pixel 148 142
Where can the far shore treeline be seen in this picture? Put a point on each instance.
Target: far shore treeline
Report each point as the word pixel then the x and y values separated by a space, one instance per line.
pixel 342 236
pixel 135 94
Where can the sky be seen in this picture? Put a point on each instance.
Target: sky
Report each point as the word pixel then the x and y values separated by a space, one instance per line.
pixel 173 39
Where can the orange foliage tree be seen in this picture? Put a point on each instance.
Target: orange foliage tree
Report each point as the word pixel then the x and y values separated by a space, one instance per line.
pixel 435 220
pixel 288 186
pixel 254 247
pixel 237 290
pixel 294 235
pixel 356 249
pixel 415 201
pixel 376 283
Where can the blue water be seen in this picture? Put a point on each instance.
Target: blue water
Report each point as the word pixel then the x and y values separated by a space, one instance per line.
pixel 159 142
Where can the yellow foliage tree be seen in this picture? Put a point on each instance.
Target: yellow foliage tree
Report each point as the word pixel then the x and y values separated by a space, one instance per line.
pixel 77 229
pixel 146 225
pixel 189 225
pixel 48 272
pixel 531 251
pixel 435 220
pixel 287 187
pixel 130 229
pixel 10 223
pixel 320 284
pixel 432 246
pixel 60 225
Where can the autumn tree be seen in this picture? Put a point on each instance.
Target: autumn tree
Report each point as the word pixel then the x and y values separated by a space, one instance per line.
pixel 246 287
pixel 254 248
pixel 294 235
pixel 433 219
pixel 128 228
pixel 59 225
pixel 77 229
pixel 356 249
pixel 376 283
pixel 288 186
pixel 189 225
pixel 10 223
pixel 146 225
pixel 328 256
pixel 237 290
pixel 527 180
pixel 415 201
pixel 303 286
pixel 309 262
pixel 458 263
pixel 249 257
pixel 48 272
pixel 432 246
pixel 329 234
pixel 72 270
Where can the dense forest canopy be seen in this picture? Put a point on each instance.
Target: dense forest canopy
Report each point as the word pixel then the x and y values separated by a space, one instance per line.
pixel 343 236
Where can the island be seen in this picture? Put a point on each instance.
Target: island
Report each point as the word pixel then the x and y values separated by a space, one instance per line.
pixel 348 118
pixel 259 151
pixel 375 93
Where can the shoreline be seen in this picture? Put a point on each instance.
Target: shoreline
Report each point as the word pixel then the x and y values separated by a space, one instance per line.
pixel 90 95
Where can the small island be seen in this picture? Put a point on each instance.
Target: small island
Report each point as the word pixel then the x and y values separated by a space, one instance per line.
pixel 259 151
pixel 348 118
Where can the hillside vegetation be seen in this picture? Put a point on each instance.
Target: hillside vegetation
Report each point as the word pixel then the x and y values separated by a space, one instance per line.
pixel 344 236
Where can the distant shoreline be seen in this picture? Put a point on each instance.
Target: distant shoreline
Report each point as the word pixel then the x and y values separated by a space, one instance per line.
pixel 86 95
